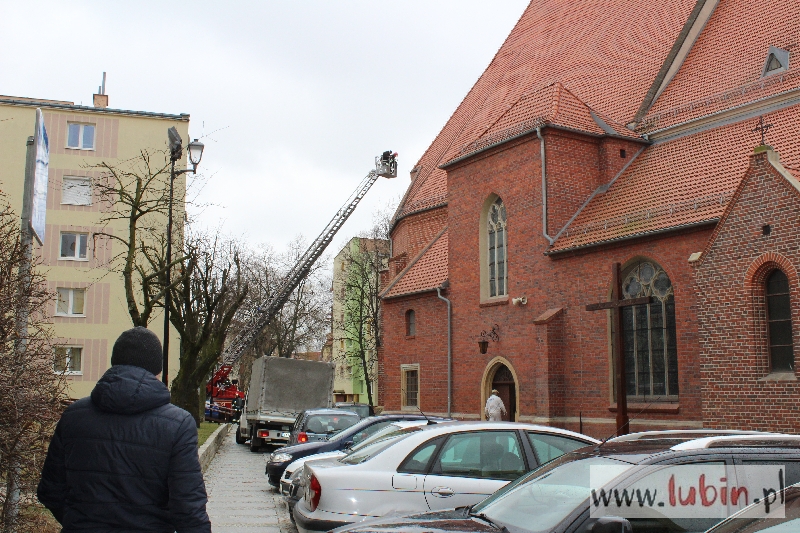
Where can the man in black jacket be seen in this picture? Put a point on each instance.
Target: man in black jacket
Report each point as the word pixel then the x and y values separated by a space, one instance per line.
pixel 125 458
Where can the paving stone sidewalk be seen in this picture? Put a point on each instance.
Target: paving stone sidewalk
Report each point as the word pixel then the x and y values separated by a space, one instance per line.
pixel 239 498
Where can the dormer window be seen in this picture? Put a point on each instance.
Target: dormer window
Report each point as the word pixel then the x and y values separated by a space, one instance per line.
pixel 777 61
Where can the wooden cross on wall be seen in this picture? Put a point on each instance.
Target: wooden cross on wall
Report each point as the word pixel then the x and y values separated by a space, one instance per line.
pixel 616 304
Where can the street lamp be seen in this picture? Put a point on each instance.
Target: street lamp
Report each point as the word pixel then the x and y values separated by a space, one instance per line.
pixel 175 153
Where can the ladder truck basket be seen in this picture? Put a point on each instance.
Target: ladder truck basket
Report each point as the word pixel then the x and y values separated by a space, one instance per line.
pixel 386 167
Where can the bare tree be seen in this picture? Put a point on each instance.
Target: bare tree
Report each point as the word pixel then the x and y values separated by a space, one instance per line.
pixel 358 326
pixel 203 306
pixel 136 193
pixel 302 323
pixel 31 393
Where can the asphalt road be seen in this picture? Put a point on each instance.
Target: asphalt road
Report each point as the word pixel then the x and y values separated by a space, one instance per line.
pixel 239 498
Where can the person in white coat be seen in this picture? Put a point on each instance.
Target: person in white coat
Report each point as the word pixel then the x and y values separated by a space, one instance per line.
pixel 495 410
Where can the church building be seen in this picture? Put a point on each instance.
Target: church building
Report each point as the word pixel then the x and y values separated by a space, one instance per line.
pixel 662 137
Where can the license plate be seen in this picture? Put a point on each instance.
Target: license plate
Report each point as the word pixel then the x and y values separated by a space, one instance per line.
pixel 284 435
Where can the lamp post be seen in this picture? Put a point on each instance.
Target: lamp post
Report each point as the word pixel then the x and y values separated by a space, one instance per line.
pixel 175 153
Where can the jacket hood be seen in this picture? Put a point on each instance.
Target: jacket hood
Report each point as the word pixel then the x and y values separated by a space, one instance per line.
pixel 129 390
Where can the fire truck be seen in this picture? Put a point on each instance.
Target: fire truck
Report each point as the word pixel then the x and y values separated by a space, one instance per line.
pixel 225 400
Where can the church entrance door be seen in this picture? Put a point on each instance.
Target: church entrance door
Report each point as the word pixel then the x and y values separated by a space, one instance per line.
pixel 503 381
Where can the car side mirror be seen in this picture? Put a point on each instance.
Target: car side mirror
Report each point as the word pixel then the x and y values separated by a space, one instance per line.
pixel 611 524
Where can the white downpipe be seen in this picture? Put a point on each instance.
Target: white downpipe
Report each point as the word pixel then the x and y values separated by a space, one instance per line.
pixel 449 350
pixel 550 239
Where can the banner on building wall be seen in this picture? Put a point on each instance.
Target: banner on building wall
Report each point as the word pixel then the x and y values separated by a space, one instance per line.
pixel 40 175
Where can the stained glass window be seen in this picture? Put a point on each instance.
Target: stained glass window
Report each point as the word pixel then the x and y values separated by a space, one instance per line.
pixel 498 240
pixel 648 333
pixel 779 323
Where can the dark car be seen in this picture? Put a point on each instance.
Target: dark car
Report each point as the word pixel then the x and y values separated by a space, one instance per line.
pixel 362 409
pixel 782 518
pixel 319 424
pixel 279 459
pixel 643 483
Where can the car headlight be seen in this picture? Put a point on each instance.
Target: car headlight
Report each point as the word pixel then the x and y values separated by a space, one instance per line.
pixel 279 457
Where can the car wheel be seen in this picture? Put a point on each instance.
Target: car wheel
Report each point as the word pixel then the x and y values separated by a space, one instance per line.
pixel 255 444
pixel 239 438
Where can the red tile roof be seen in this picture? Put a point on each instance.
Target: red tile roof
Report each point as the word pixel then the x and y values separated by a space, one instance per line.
pixel 554 105
pixel 681 182
pixel 725 64
pixel 425 272
pixel 608 63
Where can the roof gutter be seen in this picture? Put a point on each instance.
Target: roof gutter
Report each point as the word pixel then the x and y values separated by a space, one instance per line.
pixel 550 239
pixel 444 285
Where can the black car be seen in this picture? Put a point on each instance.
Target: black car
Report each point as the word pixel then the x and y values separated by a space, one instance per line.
pixel 279 459
pixel 562 497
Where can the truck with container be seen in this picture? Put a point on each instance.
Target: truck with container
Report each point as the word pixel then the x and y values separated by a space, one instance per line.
pixel 281 388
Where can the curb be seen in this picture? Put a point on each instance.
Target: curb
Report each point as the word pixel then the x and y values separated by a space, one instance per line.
pixel 210 447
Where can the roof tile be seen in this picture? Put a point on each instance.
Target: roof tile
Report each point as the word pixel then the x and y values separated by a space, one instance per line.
pixel 552 42
pixel 681 182
pixel 426 272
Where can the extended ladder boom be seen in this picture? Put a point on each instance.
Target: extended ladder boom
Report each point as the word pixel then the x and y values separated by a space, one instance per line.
pixel 260 317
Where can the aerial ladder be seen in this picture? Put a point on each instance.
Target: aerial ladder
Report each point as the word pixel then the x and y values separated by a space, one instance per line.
pixel 225 397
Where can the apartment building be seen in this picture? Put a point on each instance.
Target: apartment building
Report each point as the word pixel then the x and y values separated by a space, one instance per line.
pixel 88 308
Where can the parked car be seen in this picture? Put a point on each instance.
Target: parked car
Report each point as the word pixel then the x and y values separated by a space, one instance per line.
pixel 441 467
pixel 280 459
pixel 314 425
pixel 578 492
pixel 757 518
pixel 362 409
pixel 292 485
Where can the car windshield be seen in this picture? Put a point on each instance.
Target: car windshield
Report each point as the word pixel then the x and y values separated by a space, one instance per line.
pixel 330 423
pixel 354 429
pixel 542 499
pixel 371 450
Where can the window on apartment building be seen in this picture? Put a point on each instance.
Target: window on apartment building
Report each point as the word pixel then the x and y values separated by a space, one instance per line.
pixel 498 240
pixel 651 354
pixel 779 322
pixel 67 359
pixel 80 136
pixel 70 302
pixel 76 191
pixel 410 385
pixel 411 323
pixel 74 245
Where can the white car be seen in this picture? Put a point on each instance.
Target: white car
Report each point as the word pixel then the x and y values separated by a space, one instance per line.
pixel 440 467
pixel 395 429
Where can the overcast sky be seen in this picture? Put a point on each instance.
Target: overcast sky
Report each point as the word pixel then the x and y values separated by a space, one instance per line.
pixel 292 99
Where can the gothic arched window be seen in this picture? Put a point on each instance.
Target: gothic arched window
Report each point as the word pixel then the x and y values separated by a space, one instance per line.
pixel 651 354
pixel 498 240
pixel 779 323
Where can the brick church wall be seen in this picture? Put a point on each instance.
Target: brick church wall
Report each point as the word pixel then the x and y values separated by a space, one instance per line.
pixel 738 390
pixel 563 367
pixel 428 348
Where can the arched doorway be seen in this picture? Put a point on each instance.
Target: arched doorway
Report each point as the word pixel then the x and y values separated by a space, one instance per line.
pixel 503 381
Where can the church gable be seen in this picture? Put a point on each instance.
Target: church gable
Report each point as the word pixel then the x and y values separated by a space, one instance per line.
pixel 766 204
pixel 749 343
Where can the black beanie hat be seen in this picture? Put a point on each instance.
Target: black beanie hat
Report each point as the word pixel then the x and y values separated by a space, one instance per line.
pixel 138 347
